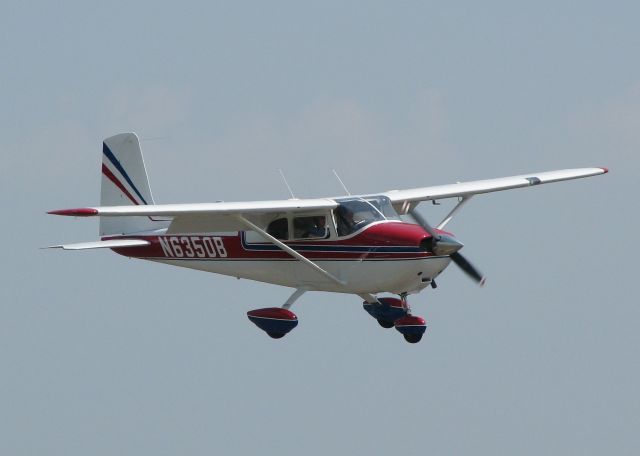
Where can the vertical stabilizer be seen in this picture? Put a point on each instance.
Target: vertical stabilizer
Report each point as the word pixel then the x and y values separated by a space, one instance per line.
pixel 125 183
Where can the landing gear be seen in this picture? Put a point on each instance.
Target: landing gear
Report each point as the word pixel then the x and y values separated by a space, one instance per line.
pixel 276 321
pixel 413 338
pixel 386 324
pixel 386 311
pixel 411 327
pixel 394 312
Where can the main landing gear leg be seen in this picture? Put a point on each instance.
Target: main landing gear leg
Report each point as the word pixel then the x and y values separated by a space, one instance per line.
pixel 277 321
pixel 293 298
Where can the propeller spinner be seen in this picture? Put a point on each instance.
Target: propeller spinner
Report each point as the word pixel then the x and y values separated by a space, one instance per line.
pixel 442 244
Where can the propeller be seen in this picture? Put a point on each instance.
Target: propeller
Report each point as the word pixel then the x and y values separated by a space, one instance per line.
pixel 468 268
pixel 441 244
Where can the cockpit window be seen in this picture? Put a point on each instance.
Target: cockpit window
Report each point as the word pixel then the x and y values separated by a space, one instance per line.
pixel 383 204
pixel 354 214
pixel 314 227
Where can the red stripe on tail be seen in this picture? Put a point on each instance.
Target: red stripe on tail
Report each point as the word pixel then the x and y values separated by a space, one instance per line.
pixel 117 183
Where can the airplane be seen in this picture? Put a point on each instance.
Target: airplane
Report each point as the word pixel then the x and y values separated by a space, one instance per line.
pixel 363 245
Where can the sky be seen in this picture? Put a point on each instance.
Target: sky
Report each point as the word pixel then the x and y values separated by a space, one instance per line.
pixel 105 355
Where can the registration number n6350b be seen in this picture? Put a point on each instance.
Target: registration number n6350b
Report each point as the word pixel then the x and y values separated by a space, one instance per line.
pixel 192 246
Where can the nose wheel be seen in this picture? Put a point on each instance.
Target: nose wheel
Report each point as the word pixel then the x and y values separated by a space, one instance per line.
pixel 413 338
pixel 411 327
pixel 394 312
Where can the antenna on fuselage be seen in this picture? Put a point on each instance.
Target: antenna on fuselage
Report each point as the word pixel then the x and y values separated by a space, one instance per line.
pixel 341 183
pixel 287 184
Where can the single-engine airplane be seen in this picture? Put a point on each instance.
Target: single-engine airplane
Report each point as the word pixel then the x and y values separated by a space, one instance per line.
pixel 362 245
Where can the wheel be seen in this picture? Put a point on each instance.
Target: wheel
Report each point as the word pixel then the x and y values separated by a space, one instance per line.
pixel 413 338
pixel 276 335
pixel 385 323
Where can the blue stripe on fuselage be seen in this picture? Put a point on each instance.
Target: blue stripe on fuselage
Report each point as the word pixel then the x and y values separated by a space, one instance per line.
pixel 330 248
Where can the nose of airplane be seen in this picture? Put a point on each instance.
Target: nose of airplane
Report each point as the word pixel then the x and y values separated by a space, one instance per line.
pixel 446 245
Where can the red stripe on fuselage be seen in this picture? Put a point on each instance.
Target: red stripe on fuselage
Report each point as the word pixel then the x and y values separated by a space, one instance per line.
pixel 375 242
pixel 184 248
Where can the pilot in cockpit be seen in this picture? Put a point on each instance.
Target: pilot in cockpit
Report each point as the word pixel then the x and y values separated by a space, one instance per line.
pixel 319 229
pixel 346 223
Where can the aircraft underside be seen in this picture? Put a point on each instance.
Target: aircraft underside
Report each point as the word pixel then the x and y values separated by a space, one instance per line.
pixel 359 276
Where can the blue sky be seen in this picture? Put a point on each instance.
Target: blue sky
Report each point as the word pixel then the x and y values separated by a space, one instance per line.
pixel 107 355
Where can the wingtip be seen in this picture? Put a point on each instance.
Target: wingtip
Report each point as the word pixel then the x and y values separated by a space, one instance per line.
pixel 78 212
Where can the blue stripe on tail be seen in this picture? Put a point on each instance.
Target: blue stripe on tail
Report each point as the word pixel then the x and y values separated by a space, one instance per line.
pixel 112 158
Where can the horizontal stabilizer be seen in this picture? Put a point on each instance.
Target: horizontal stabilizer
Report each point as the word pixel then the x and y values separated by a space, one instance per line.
pixel 111 244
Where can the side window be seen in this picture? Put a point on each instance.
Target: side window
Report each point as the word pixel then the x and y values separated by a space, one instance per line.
pixel 279 229
pixel 344 228
pixel 310 227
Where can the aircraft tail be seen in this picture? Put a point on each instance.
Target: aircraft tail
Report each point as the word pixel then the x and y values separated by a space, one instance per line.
pixel 125 183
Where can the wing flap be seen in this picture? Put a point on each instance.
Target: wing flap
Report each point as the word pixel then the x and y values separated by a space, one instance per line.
pixel 110 244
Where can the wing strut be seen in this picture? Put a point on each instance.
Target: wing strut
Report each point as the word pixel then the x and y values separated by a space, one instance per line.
pixel 290 251
pixel 366 296
pixel 450 215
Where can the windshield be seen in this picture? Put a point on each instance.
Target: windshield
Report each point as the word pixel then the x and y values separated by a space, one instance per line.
pixel 383 204
pixel 354 214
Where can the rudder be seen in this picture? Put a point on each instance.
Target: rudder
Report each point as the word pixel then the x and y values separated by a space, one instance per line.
pixel 125 183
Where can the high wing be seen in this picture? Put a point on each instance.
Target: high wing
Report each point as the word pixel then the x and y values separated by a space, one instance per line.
pixel 222 208
pixel 403 200
pixel 206 217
